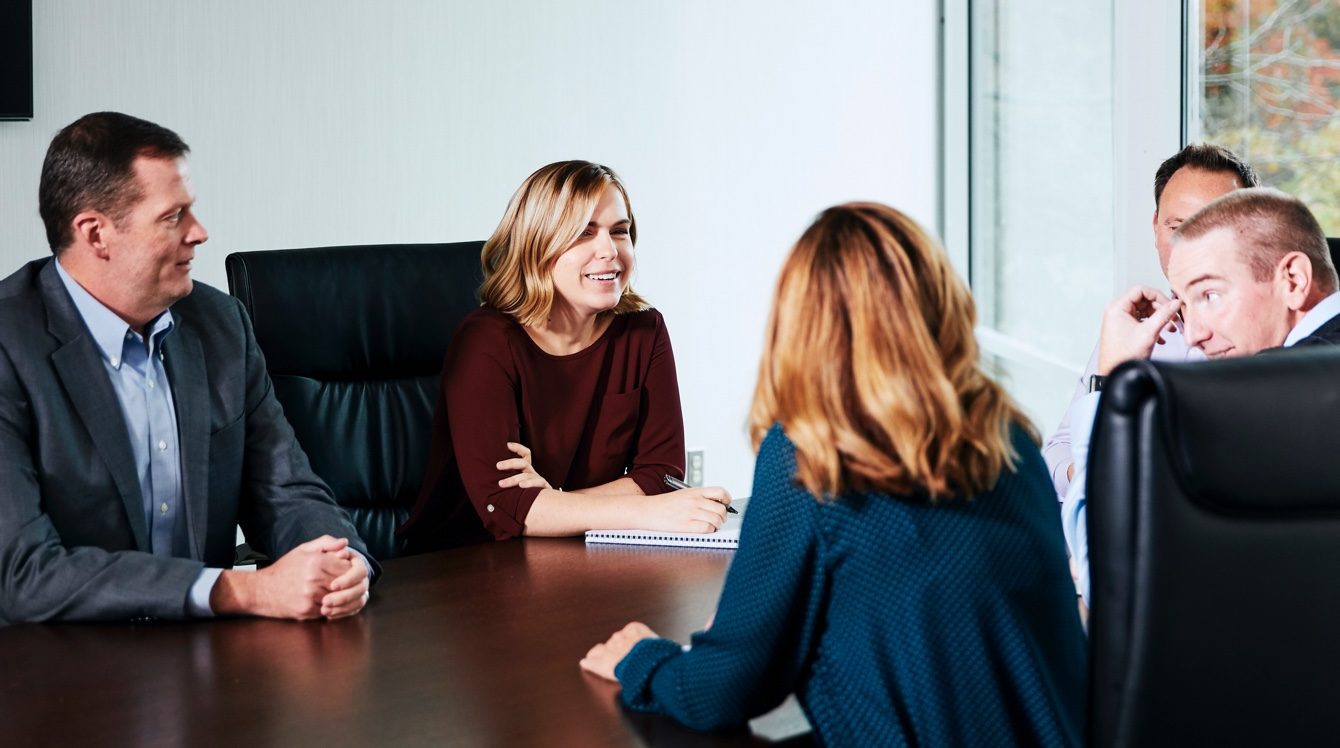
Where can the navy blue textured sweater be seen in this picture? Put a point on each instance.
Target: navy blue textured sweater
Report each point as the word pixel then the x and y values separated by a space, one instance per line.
pixel 894 621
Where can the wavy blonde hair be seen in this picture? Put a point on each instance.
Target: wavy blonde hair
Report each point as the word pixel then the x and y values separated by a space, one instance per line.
pixel 871 366
pixel 545 216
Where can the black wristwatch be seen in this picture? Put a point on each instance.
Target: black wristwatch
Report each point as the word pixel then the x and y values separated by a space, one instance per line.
pixel 1096 382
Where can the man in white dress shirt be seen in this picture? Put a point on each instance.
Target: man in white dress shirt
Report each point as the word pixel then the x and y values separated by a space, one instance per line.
pixel 1183 184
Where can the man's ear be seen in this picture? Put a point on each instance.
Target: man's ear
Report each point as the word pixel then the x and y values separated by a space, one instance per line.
pixel 89 226
pixel 1294 273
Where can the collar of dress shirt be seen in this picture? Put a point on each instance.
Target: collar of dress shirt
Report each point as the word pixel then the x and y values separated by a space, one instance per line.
pixel 1314 319
pixel 108 330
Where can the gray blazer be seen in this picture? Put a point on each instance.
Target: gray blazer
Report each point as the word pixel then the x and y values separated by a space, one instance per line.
pixel 73 540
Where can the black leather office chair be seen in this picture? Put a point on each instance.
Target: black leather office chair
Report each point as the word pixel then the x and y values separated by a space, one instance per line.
pixel 1334 245
pixel 354 339
pixel 1214 552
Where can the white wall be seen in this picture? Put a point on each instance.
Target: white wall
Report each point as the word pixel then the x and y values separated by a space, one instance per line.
pixel 320 122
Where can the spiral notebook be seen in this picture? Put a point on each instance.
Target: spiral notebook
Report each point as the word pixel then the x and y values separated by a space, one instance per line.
pixel 727 537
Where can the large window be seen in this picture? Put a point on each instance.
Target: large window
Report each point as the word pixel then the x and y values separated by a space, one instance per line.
pixel 1266 83
pixel 1056 116
pixel 1040 189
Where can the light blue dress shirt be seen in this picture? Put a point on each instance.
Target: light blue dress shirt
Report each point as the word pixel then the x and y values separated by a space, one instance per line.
pixel 1059 450
pixel 1074 520
pixel 135 368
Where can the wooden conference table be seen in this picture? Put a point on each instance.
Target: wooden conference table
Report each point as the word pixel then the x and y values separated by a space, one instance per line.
pixel 475 647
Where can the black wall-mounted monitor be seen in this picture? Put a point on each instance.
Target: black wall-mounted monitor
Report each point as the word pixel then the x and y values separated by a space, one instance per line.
pixel 16 59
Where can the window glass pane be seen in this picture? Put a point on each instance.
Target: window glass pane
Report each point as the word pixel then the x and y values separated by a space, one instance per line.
pixel 1266 86
pixel 1041 184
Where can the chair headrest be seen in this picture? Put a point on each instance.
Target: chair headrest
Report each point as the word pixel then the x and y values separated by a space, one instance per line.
pixel 1250 434
pixel 360 312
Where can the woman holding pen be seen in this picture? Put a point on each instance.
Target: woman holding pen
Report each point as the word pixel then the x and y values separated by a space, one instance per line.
pixel 559 407
pixel 901 568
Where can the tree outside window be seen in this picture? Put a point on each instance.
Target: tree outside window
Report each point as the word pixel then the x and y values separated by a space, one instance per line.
pixel 1269 83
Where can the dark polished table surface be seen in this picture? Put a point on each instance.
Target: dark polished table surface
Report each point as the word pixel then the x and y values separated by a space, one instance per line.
pixel 474 646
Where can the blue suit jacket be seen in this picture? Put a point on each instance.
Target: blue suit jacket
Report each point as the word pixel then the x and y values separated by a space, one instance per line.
pixel 73 541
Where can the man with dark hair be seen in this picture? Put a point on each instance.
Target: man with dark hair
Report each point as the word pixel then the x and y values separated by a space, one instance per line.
pixel 90 163
pixel 1183 184
pixel 1251 272
pixel 138 426
pixel 1192 164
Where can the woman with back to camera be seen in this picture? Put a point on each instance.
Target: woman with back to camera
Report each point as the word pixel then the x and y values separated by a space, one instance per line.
pixel 901 568
pixel 559 408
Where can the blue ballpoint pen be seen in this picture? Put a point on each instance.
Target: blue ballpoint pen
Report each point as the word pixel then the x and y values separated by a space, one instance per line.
pixel 677 484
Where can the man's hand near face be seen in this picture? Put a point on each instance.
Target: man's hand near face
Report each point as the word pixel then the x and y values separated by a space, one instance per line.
pixel 1132 324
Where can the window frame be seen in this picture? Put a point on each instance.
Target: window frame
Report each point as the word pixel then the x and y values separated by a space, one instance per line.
pixel 1150 122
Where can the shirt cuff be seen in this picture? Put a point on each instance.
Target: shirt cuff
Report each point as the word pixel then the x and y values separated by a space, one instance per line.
pixel 504 521
pixel 366 563
pixel 651 481
pixel 636 670
pixel 197 600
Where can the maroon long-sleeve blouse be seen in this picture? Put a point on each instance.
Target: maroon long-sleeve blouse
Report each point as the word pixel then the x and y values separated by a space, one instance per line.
pixel 589 418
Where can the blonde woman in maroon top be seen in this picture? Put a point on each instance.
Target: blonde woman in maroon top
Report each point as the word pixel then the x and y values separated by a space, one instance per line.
pixel 559 409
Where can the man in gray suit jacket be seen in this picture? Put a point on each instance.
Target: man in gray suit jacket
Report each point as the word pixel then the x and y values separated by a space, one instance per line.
pixel 138 425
